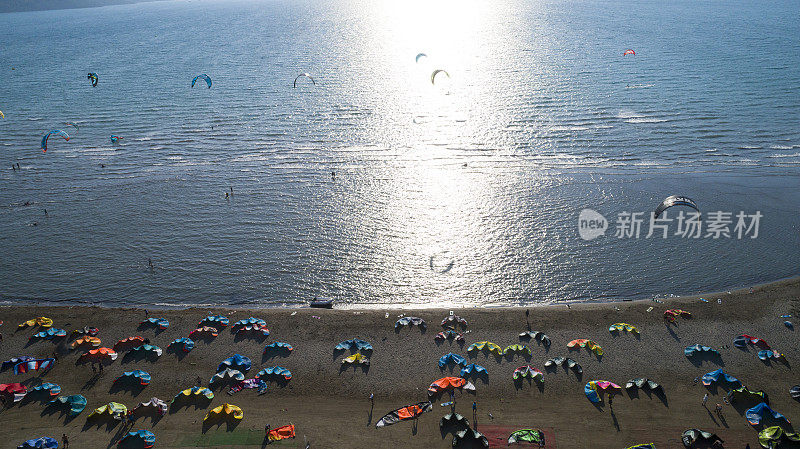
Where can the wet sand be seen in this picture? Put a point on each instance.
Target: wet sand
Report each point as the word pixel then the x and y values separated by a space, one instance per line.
pixel 330 407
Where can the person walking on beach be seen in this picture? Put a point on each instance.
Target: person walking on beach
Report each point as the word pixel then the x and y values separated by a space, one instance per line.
pixel 475 415
pixel 65 441
pixel 705 399
pixel 718 410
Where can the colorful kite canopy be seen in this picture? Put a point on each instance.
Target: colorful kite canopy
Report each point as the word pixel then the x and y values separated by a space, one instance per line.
pixel 237 362
pixel 281 433
pixel 438 72
pixel 56 132
pixel 40 321
pixel 85 341
pixel 354 345
pixel 404 413
pixel 203 77
pixel 644 384
pixel 279 347
pixel 306 75
pixel 452 359
pixel 274 372
pixel 248 322
pixel 146 351
pixel 693 350
pixel 254 329
pixel 194 392
pixel 675 200
pixel 626 53
pixel 420 56
pixel 469 438
pixel 76 403
pixel 485 346
pixel 112 409
pixel 594 388
pixel 588 344
pixel 755 414
pixel 531 436
pixel 473 370
pixel 527 371
pixel 49 334
pixel 142 377
pixel 535 335
pixel 147 438
pixel 453 421
pixel 794 392
pixel 126 344
pixel 249 384
pixel 153 404
pixel 161 323
pixel 50 388
pixel 671 314
pixel 517 349
pixel 767 354
pixel 721 377
pixel 744 394
pixel 251 325
pixel 694 436
pixel 90 331
pixel 216 321
pixel 16 391
pixel 226 376
pixel 225 411
pixel 741 341
pixel 449 334
pixel 93 78
pixel 33 365
pixel 449 384
pixel 186 344
pixel 643 446
pixel 452 321
pixel 8 364
pixel 39 443
pixel 623 327
pixel 204 331
pixel 356 359
pixel 773 437
pixel 560 361
pixel 410 321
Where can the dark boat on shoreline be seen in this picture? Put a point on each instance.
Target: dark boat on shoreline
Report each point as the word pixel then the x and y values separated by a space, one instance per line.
pixel 321 304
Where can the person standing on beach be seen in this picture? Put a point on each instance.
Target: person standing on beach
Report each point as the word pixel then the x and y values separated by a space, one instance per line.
pixel 475 414
pixel 65 441
pixel 705 399
pixel 718 410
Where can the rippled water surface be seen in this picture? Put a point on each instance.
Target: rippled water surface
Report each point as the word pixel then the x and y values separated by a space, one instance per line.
pixel 463 192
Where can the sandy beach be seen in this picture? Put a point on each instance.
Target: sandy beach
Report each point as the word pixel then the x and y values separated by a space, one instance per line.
pixel 330 406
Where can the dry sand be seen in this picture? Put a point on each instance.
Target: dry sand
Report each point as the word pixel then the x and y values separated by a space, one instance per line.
pixel 330 406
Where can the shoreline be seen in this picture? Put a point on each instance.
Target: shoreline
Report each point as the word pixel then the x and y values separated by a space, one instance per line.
pixel 380 306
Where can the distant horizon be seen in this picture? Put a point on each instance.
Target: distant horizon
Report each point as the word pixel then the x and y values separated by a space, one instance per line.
pixel 7 6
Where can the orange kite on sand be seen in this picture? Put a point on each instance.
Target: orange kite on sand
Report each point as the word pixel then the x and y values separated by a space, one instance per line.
pixel 98 355
pixel 126 344
pixel 449 384
pixel 281 433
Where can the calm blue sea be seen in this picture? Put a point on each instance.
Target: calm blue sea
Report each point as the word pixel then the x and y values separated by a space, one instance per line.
pixel 463 192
